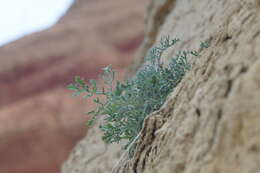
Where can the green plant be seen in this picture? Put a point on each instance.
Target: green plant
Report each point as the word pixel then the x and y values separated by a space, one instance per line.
pixel 127 103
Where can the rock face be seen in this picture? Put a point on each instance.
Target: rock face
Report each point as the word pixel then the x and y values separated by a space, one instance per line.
pixel 211 122
pixel 39 120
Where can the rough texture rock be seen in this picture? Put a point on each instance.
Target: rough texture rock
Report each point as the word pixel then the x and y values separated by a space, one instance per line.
pixel 39 120
pixel 211 122
pixel 96 157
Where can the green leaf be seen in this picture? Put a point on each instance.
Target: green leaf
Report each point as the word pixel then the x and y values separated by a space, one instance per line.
pixel 91 112
pixel 88 96
pixel 204 45
pixel 195 53
pixel 79 80
pixel 90 122
pixel 107 69
pixel 72 87
pixel 96 100
pixel 93 85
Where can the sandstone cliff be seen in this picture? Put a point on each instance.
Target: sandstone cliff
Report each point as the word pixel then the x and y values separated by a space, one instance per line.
pixel 39 120
pixel 211 122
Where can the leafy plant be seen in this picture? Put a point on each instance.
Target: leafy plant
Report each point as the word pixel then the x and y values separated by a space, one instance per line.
pixel 127 103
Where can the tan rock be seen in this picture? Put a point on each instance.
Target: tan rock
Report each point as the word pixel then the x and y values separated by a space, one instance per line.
pixel 211 122
pixel 97 157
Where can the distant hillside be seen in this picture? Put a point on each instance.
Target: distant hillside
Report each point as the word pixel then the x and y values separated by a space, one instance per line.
pixel 39 120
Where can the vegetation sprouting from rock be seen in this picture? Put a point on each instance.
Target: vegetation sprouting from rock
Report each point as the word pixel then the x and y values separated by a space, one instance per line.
pixel 126 104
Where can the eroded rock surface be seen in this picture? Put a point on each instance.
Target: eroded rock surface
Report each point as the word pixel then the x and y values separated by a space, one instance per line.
pixel 211 122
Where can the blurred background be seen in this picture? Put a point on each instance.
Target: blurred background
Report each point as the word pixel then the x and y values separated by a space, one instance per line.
pixel 43 45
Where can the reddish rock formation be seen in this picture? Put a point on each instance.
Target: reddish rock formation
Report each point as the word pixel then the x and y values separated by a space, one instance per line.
pixel 39 121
